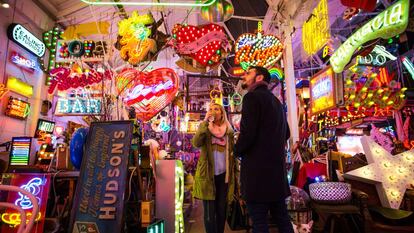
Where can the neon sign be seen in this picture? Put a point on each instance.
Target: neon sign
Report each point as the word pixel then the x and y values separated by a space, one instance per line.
pixel 38 185
pixel 315 32
pixel 16 85
pixel 387 24
pixel 258 49
pixel 26 39
pixel 17 108
pixel 134 41
pixel 27 64
pixel 377 57
pixel 33 186
pixel 409 65
pixel 151 92
pixel 322 89
pixel 64 78
pixel 44 126
pixel 87 50
pixel 50 39
pixel 78 106
pixel 20 151
pixel 3 90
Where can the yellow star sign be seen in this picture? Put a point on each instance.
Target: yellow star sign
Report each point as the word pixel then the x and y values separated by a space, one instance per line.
pixel 391 174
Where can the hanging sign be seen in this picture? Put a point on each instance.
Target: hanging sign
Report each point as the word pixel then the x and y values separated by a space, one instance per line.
pixel 387 24
pixel 258 49
pixel 44 126
pixel 322 91
pixel 315 31
pixel 16 85
pixel 78 106
pixel 27 64
pixel 86 50
pixel 38 185
pixel 17 108
pixel 151 92
pixel 102 182
pixel 26 39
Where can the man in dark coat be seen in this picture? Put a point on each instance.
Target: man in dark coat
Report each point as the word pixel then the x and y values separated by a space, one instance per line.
pixel 261 146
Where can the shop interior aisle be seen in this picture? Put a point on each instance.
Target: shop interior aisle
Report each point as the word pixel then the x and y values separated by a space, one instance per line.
pixel 194 224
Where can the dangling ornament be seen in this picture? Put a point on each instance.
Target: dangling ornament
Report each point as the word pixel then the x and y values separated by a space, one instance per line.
pixel 220 11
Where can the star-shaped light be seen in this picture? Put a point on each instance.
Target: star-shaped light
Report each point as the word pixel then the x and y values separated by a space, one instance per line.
pixel 391 174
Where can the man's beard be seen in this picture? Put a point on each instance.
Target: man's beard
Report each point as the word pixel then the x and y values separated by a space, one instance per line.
pixel 244 86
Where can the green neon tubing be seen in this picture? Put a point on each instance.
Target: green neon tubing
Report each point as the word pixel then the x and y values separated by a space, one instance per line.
pixel 137 3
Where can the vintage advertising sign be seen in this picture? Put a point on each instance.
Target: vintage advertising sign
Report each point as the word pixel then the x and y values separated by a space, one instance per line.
pixel 26 39
pixel 38 185
pixel 17 108
pixel 322 91
pixel 387 24
pixel 100 192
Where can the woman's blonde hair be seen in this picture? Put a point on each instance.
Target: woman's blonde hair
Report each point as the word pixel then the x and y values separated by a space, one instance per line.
pixel 223 112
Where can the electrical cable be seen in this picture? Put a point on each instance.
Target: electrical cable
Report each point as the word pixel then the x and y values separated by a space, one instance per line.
pixel 130 182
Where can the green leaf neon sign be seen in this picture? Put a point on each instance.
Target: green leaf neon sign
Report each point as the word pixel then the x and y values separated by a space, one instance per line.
pixel 140 3
pixel 387 24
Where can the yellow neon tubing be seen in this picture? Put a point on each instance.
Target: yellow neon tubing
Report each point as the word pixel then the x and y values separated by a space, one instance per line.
pixel 138 3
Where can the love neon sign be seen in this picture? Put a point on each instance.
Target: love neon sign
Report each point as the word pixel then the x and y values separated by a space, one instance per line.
pixel 387 24
pixel 87 50
pixel 151 92
pixel 258 49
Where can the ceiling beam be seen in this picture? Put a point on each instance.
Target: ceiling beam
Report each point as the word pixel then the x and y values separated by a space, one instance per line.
pixel 49 9
pixel 70 10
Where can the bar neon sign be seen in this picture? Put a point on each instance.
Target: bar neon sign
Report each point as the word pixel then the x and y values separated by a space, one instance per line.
pixel 27 64
pixel 389 23
pixel 78 106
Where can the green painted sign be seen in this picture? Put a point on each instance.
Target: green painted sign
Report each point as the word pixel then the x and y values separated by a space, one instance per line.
pixel 389 23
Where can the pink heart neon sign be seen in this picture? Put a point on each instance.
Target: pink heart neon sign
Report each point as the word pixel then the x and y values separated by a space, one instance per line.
pixel 151 92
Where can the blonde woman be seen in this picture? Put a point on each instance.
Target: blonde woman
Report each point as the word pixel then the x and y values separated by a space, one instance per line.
pixel 214 177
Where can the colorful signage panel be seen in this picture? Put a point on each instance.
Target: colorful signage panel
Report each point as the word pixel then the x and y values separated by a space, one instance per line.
pixel 16 85
pixel 322 91
pixel 26 39
pixel 44 126
pixel 100 193
pixel 315 31
pixel 78 106
pixel 387 24
pixel 38 185
pixel 25 63
pixel 20 151
pixel 87 50
pixel 17 108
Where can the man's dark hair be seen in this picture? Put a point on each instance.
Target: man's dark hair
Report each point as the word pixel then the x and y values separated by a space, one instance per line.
pixel 262 71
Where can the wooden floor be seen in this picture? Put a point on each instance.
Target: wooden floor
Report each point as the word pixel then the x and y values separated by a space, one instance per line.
pixel 195 222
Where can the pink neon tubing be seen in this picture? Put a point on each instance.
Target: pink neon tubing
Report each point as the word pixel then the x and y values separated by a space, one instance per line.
pixel 35 209
pixel 22 225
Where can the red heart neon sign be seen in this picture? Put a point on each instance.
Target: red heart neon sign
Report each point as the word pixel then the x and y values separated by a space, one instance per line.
pixel 151 92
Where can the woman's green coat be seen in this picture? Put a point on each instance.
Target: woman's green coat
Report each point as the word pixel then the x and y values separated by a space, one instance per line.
pixel 204 188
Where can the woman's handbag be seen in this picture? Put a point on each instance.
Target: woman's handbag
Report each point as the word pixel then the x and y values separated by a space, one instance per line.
pixel 237 217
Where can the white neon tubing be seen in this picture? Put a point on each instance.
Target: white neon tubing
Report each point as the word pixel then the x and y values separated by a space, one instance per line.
pixel 32 198
pixel 22 225
pixel 140 3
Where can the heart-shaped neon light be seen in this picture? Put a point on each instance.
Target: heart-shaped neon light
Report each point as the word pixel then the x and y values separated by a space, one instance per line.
pixel 258 49
pixel 206 44
pixel 151 92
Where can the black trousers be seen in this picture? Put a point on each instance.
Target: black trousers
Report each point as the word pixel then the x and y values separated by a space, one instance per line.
pixel 215 211
pixel 258 212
